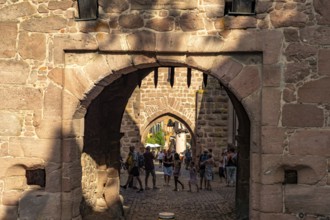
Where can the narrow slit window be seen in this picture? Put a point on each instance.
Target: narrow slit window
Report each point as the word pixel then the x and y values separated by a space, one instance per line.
pixel 87 9
pixel 240 7
pixel 291 177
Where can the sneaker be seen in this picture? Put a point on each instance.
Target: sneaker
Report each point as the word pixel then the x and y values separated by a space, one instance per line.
pixel 140 190
pixel 123 186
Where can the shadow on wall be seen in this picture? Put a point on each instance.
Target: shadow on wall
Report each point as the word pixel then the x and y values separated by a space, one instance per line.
pixel 33 179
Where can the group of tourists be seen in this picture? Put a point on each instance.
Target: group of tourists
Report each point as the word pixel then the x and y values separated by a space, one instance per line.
pixel 171 162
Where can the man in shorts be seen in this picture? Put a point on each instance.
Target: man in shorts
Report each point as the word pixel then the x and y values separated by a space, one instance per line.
pixel 133 168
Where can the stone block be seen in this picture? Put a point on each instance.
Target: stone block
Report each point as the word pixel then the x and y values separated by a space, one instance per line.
pixel 14 72
pixel 111 42
pixel 15 11
pixel 239 40
pixel 100 64
pixel 36 41
pixel 308 199
pixel 271 42
pixel 10 123
pixel 15 183
pixel 144 61
pixel 299 52
pixel 52 102
pixel 205 44
pixel 272 75
pixel 315 91
pixel 53 180
pixel 215 11
pixel 56 75
pixel 161 24
pixel 114 6
pixel 296 72
pixel 163 4
pixel 120 64
pixel 315 35
pixel 71 150
pixel 130 21
pixel 51 24
pixel 288 18
pixel 246 82
pixel 271 199
pixel 323 62
pixel 8 35
pixel 225 68
pixel 11 197
pixel 48 128
pixel 168 42
pixel 77 83
pixel 22 98
pixel 271 104
pixel 63 5
pixel 240 22
pixel 277 216
pixel 70 106
pixel 191 21
pixel 46 149
pixel 272 140
pixel 291 115
pixel 322 8
pixel 141 41
pixel 44 204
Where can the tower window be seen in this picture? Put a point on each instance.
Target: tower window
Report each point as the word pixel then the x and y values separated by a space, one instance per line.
pixel 240 7
pixel 88 10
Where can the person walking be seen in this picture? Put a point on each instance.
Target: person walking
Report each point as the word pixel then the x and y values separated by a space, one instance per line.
pixel 177 172
pixel 149 168
pixel 168 167
pixel 133 168
pixel 187 158
pixel 160 158
pixel 231 167
pixel 202 158
pixel 209 164
pixel 192 176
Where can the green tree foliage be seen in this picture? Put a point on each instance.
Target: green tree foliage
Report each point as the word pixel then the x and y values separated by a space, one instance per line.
pixel 157 138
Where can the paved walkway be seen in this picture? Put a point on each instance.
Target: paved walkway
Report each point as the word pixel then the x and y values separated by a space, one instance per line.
pixel 217 204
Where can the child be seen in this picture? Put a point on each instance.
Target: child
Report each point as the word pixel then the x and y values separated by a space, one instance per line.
pixel 176 173
pixel 192 176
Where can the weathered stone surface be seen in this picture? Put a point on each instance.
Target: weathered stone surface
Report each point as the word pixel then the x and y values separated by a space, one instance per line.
pixel 205 44
pixel 315 35
pixel 271 198
pixel 226 68
pixel 46 149
pixel 8 35
pixel 240 22
pixel 15 11
pixel 94 26
pixel 50 127
pixel 214 11
pixel 161 24
pixel 287 18
pixel 296 72
pixel 291 35
pixel 64 4
pixel 144 61
pixel 323 62
pixel 21 98
pixel 292 113
pixel 272 75
pixel 44 204
pixel 77 83
pixel 8 212
pixel 35 41
pixel 142 41
pixel 163 4
pixel 310 199
pixel 191 22
pixel 47 25
pixel 310 142
pixel 322 8
pixel 120 63
pixel 114 6
pixel 271 106
pixel 10 124
pixel 11 198
pixel 315 91
pixel 131 21
pixel 100 64
pixel 272 140
pixel 246 82
pixel 298 52
pixel 14 72
pixel 171 42
pixel 56 75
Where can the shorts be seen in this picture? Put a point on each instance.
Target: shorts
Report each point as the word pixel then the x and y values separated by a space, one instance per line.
pixel 168 171
pixel 201 173
pixel 134 171
pixel 152 172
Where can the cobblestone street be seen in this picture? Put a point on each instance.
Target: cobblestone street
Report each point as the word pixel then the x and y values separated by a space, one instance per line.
pixel 217 204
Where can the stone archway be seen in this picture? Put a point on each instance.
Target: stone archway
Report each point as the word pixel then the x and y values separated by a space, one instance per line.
pixel 239 75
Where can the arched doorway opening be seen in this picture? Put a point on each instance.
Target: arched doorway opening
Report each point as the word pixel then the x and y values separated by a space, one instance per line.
pixel 102 145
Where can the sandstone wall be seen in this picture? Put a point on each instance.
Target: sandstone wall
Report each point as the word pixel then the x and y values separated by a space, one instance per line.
pixel 52 67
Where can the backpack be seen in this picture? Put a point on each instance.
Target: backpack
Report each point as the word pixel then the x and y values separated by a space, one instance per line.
pixel 141 160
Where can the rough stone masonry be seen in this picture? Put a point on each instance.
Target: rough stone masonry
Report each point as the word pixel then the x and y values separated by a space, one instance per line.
pixel 55 68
